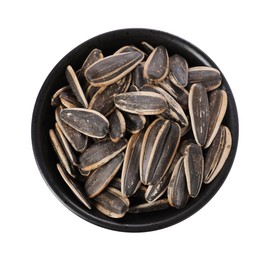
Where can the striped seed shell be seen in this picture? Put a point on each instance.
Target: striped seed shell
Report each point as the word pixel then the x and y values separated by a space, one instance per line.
pixel 199 112
pixel 156 67
pixel 208 76
pixel 94 55
pixel 60 152
pixel 154 192
pixel 152 148
pixel 66 146
pixel 117 126
pixel 142 103
pixel 111 203
pixel 185 129
pixel 84 174
pixel 73 186
pixel 218 102
pixel 101 177
pixel 194 168
pixel 138 78
pixel 86 121
pixel 179 94
pixel 100 153
pixel 174 111
pixel 150 206
pixel 166 157
pixel 183 146
pixel 128 48
pixel 177 189
pixel 130 179
pixel 133 88
pixel 148 48
pixel 115 183
pixel 178 71
pixel 217 154
pixel 112 68
pixel 134 123
pixel 55 100
pixel 75 85
pixel 69 100
pixel 212 84
pixel 103 100
pixel 78 140
pixel 90 92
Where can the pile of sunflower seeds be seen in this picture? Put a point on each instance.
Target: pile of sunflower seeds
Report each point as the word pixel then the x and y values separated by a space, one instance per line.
pixel 139 131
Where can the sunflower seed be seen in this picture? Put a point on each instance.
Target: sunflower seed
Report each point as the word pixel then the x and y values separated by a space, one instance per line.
pixel 130 179
pixel 212 84
pixel 179 94
pixel 154 192
pixel 103 100
pixel 90 92
pixel 183 146
pixel 69 100
pixel 75 86
pixel 60 152
pixel 156 67
pixel 138 78
pixel 73 186
pixel 117 126
pixel 174 111
pixel 194 169
pixel 208 76
pixel 75 138
pixel 152 148
pixel 150 206
pixel 111 203
pixel 115 183
pixel 128 48
pixel 134 123
pixel 170 147
pixel 86 121
pixel 112 68
pixel 217 154
pixel 177 189
pixel 100 153
pixel 102 176
pixel 94 55
pixel 84 174
pixel 142 103
pixel 148 48
pixel 55 100
pixel 199 112
pixel 178 71
pixel 133 88
pixel 217 108
pixel 66 145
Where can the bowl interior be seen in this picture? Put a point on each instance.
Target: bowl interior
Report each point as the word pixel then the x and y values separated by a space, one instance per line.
pixel 43 119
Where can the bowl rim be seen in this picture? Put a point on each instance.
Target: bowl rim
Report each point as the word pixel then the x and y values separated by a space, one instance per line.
pixel 110 223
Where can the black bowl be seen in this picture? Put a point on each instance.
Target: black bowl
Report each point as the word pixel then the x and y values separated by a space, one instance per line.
pixel 43 119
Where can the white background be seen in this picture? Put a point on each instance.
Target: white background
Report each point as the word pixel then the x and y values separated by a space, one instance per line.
pixel 235 224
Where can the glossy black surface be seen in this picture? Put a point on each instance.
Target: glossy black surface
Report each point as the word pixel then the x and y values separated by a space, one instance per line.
pixel 43 120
